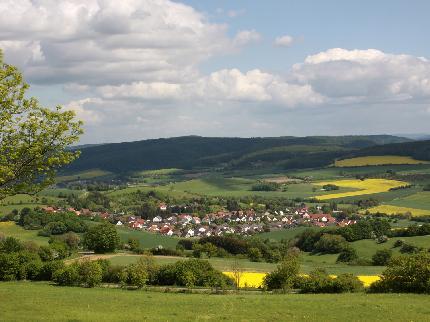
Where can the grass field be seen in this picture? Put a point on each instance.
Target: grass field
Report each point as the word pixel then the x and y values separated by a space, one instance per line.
pixel 25 301
pixel 420 200
pixel 84 175
pixel 393 210
pixel 377 160
pixel 146 239
pixel 365 187
pixel 11 229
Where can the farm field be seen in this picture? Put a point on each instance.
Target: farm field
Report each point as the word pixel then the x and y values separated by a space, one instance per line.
pixel 84 175
pixel 392 210
pixel 239 187
pixel 366 187
pixel 377 160
pixel 49 303
pixel 11 229
pixel 420 200
pixel 146 239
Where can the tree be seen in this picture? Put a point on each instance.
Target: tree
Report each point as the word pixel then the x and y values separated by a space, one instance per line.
pixel 237 270
pixel 102 238
pixel 347 255
pixel 90 273
pixel 330 244
pixel 382 257
pixel 33 139
pixel 285 275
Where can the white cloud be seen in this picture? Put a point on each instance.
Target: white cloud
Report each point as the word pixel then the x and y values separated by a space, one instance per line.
pixel 284 41
pixel 245 37
pixel 365 76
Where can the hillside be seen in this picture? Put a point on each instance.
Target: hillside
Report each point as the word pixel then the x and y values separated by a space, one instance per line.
pixel 194 152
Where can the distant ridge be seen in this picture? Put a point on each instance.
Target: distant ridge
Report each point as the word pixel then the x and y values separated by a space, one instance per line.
pixel 188 152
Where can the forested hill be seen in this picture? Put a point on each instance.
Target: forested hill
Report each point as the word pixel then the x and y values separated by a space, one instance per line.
pixel 194 151
pixel 419 150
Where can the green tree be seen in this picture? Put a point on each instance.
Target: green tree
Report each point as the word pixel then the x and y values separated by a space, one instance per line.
pixel 286 274
pixel 102 238
pixel 91 273
pixel 33 139
pixel 347 255
pixel 382 257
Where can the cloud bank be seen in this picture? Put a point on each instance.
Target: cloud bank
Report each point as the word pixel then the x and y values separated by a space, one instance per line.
pixel 134 67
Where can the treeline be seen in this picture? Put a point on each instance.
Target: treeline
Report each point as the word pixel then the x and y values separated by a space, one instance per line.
pixel 255 249
pixel 192 151
pixel 48 224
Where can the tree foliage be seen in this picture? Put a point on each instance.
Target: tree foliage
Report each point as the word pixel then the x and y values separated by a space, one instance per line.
pixel 33 139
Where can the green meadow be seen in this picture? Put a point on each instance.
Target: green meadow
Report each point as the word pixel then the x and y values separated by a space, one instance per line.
pixel 27 301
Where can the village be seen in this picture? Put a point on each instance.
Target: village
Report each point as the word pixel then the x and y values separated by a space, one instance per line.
pixel 241 222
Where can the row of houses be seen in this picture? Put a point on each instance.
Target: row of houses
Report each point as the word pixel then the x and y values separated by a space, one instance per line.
pixel 240 222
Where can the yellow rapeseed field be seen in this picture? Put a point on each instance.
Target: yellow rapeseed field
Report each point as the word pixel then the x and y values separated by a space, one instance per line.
pixel 255 280
pixel 393 210
pixel 366 187
pixel 377 160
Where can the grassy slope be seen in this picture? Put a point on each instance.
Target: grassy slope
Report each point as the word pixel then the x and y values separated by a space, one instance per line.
pixel 420 200
pixel 11 229
pixel 29 301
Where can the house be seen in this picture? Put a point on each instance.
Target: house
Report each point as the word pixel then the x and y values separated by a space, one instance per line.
pixel 162 206
pixel 157 219
pixel 49 210
pixel 119 223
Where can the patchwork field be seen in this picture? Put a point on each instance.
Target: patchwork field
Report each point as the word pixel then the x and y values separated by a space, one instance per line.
pixel 365 187
pixel 393 210
pixel 23 301
pixel 377 160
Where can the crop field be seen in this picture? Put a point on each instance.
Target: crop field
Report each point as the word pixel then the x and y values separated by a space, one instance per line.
pixel 84 175
pixel 393 210
pixel 11 229
pixel 255 280
pixel 420 200
pixel 365 187
pixel 25 301
pixel 377 160
pixel 238 187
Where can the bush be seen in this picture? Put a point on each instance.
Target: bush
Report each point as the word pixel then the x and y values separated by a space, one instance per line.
pixel 319 281
pixel 382 257
pixel 90 273
pixel 102 238
pixel 330 244
pixel 67 276
pixel 190 273
pixel 409 249
pixel 398 243
pixel 409 274
pixel 347 255
pixel 254 254
pixel 330 187
pixel 48 269
pixel 285 276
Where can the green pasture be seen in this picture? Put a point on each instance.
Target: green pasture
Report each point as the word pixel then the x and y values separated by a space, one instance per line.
pixel 13 230
pixel 27 301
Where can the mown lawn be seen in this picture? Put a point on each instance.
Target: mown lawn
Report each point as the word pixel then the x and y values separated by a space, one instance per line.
pixel 27 301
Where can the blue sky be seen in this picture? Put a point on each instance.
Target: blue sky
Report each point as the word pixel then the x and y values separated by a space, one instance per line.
pixel 154 68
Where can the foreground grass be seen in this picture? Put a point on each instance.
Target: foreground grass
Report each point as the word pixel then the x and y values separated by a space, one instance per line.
pixel 26 301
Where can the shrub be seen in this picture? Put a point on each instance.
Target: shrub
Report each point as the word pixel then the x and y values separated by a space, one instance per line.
pixel 189 273
pixel 318 281
pixel 410 249
pixel 398 243
pixel 405 274
pixel 330 244
pixel 102 238
pixel 285 276
pixel 254 254
pixel 90 273
pixel 382 257
pixel 48 269
pixel 347 283
pixel 67 276
pixel 347 255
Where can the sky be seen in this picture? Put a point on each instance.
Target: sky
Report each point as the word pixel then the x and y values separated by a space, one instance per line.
pixel 140 69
